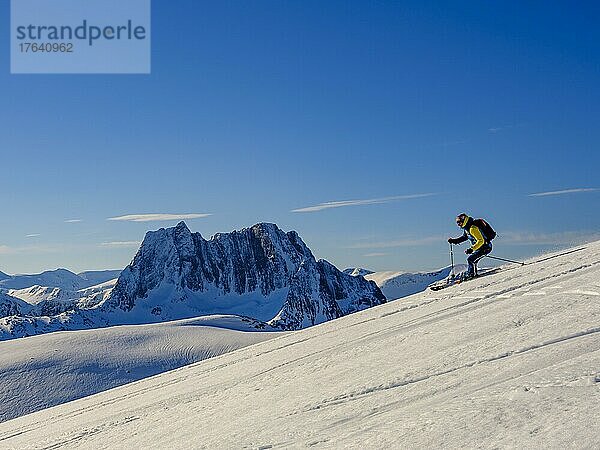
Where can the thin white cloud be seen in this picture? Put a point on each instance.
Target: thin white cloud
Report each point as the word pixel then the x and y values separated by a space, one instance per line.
pixel 33 235
pixel 409 242
pixel 372 201
pixel 156 217
pixel 563 192
pixel 375 255
pixel 73 220
pixel 121 244
pixel 504 127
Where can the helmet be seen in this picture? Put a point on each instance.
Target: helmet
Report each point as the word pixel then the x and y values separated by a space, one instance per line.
pixel 461 220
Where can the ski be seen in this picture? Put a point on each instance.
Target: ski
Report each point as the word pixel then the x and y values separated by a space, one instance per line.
pixel 447 282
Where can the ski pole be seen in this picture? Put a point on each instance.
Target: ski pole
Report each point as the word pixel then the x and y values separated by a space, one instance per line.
pixel 452 259
pixel 507 260
pixel 560 254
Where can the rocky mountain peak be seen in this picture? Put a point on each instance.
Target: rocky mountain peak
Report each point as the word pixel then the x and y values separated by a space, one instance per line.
pixel 260 271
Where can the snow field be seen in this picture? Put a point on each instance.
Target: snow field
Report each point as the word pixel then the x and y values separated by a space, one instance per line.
pixel 46 370
pixel 509 360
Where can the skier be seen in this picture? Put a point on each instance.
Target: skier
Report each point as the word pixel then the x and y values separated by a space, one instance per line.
pixel 480 233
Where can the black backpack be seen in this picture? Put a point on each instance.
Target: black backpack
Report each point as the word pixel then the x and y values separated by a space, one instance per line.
pixel 486 229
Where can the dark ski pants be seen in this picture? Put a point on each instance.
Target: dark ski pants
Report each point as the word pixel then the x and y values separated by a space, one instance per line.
pixel 474 258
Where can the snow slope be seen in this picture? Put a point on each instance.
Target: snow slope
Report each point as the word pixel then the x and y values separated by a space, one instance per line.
pixel 508 360
pixel 47 370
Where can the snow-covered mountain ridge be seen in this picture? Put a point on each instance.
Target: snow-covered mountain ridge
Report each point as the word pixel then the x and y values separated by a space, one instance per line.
pixel 24 298
pixel 395 285
pixel 260 272
pixel 354 271
pixel 51 301
pixel 508 360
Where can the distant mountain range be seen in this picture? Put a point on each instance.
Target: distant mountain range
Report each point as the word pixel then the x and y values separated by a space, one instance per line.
pixel 53 292
pixel 396 285
pixel 260 272
pixel 59 278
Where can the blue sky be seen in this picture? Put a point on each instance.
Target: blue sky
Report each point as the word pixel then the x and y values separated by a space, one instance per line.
pixel 256 109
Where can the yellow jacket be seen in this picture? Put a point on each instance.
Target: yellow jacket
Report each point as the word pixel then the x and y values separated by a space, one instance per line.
pixel 475 235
